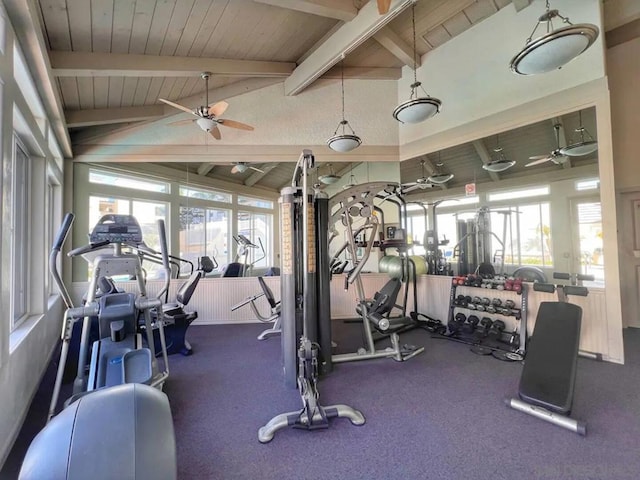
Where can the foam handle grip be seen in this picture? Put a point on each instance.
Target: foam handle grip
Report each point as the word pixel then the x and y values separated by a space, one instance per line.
pixel 163 244
pixel 544 287
pixel 61 236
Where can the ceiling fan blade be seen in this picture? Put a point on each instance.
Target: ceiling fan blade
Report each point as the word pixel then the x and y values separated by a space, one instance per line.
pixel 538 157
pixel 218 109
pixel 539 161
pixel 411 188
pixel 181 122
pixel 215 133
pixel 179 107
pixel 235 169
pixel 256 169
pixel 234 124
pixel 383 6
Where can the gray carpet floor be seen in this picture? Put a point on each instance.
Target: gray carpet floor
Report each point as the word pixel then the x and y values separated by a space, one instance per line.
pixel 439 415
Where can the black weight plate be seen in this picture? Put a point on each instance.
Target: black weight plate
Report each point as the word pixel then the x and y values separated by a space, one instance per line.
pixel 480 350
pixel 505 356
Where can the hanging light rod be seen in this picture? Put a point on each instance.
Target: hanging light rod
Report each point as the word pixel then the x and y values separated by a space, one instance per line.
pixel 343 142
pixel 554 49
pixel 416 109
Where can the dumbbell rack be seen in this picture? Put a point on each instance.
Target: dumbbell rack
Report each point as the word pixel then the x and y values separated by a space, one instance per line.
pixel 517 320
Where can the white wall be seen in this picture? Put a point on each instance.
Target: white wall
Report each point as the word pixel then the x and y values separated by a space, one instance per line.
pixel 470 73
pixel 25 351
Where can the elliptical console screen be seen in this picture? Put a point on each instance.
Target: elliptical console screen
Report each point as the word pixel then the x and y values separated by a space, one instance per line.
pixel 117 229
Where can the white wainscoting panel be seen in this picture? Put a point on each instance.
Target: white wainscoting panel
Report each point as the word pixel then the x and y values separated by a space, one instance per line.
pixel 214 298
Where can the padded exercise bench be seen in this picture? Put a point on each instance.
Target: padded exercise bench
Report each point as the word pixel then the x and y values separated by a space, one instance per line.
pixel 549 373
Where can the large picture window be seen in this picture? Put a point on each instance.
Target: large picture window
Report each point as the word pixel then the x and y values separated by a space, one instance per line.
pixel 204 231
pixel 19 235
pixel 257 227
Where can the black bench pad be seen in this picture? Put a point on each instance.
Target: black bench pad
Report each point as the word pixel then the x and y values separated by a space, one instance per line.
pixel 549 372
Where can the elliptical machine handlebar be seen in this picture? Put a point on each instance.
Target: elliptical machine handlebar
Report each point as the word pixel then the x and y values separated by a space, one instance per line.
pixel 61 237
pixel 164 253
pixel 88 248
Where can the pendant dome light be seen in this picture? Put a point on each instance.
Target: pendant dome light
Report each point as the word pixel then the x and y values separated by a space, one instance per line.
pixel 329 178
pixel 586 145
pixel 343 142
pixel 438 177
pixel 555 48
pixel 501 163
pixel 416 109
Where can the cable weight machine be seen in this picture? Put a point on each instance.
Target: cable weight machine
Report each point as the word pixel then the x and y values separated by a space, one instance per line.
pixel 302 282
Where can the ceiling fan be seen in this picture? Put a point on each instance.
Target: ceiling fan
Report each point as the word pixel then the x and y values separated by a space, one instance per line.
pixel 421 183
pixel 209 115
pixel 556 156
pixel 241 167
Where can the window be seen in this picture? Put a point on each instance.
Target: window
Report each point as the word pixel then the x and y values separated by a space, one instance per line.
pixel 254 202
pixel 204 231
pixel 257 227
pixel 127 181
pixel 512 195
pixel 19 235
pixel 214 196
pixel 527 240
pixel 590 184
pixel 590 241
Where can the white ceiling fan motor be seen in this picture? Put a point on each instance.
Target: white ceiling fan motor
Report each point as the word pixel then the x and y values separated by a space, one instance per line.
pixel 206 124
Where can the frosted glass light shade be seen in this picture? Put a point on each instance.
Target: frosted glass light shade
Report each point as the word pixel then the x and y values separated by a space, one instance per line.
pixel 498 165
pixel 553 50
pixel 579 149
pixel 206 124
pixel 344 143
pixel 440 178
pixel 417 110
pixel 329 179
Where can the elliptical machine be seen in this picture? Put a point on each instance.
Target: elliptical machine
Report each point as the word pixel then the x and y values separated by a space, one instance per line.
pixel 119 356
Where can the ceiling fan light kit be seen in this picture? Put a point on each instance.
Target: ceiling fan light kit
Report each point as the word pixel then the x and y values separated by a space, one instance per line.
pixel 555 48
pixel 416 109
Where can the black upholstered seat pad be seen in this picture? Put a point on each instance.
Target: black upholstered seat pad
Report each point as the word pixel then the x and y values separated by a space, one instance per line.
pixel 548 376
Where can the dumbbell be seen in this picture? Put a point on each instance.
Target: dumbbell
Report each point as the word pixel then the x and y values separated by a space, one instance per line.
pixel 496 302
pixel 471 323
pixel 510 338
pixel 477 300
pixel 517 285
pixel 461 301
pixel 483 327
pixel 510 304
pixel 456 323
pixel 496 329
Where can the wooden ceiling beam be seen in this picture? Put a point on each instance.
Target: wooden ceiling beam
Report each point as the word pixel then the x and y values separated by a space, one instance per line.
pixel 255 177
pixel 103 116
pixel 485 156
pixel 205 168
pixel 93 64
pixel 521 4
pixel 396 46
pixel 345 40
pixel 338 9
pixel 365 73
